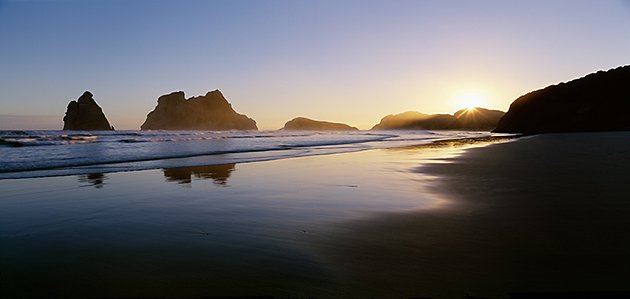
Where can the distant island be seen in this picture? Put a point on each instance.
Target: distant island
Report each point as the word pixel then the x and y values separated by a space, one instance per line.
pixel 465 119
pixel 303 123
pixel 209 112
pixel 597 102
pixel 85 114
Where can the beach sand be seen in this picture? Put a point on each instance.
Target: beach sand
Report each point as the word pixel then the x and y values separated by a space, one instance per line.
pixel 537 214
pixel 542 214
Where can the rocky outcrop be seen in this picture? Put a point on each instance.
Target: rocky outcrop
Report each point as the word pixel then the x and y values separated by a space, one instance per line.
pixel 465 119
pixel 85 115
pixel 597 102
pixel 412 120
pixel 303 123
pixel 478 118
pixel 209 112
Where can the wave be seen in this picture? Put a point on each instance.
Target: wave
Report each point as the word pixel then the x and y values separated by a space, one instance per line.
pixel 46 153
pixel 60 138
pixel 8 142
pixel 30 140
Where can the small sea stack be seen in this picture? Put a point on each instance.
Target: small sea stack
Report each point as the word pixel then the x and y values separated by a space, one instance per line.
pixel 306 124
pixel 85 114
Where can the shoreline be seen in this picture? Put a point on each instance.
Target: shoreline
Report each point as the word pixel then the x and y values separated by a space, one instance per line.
pixel 231 157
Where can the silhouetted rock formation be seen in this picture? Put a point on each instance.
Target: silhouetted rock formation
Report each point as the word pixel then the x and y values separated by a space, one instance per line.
pixel 412 120
pixel 209 112
pixel 302 123
pixel 478 118
pixel 85 115
pixel 465 119
pixel 219 174
pixel 597 102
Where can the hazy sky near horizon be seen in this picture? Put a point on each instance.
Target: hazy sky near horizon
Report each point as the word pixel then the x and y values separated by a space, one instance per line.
pixel 347 61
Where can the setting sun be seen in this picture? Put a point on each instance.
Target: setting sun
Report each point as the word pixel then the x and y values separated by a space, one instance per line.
pixel 469 100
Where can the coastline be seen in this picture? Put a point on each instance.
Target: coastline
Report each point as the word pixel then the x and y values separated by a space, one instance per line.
pixel 438 220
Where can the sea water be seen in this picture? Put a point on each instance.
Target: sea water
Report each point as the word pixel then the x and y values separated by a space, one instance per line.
pixel 26 154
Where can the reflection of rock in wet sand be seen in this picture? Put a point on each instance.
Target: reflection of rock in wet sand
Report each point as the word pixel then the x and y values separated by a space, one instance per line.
pixel 183 175
pixel 95 179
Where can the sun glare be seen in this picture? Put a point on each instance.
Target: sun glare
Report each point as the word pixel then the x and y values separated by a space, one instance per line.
pixel 469 100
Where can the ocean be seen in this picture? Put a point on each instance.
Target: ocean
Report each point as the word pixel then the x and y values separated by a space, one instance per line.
pixel 28 154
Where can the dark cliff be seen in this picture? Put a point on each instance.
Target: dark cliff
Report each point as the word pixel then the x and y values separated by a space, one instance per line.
pixel 302 123
pixel 597 102
pixel 209 112
pixel 85 115
pixel 465 119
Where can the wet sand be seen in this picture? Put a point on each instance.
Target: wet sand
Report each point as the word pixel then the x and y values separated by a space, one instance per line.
pixel 542 214
pixel 538 214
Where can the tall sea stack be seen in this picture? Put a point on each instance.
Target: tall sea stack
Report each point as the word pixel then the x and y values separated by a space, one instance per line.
pixel 85 115
pixel 209 112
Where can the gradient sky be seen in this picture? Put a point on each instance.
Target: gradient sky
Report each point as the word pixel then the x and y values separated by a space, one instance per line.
pixel 347 61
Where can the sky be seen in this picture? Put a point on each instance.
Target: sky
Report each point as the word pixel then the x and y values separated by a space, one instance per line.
pixel 338 60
